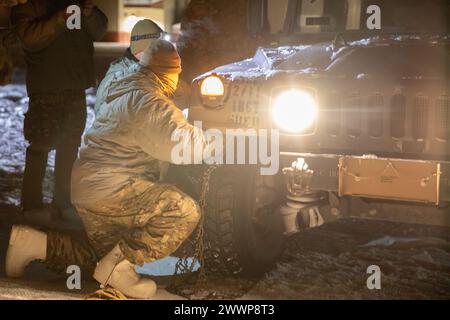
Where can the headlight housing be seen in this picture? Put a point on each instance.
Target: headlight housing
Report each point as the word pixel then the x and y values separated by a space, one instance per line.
pixel 212 91
pixel 212 86
pixel 294 110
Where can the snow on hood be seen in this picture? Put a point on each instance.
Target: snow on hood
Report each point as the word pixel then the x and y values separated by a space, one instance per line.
pixel 308 59
pixel 264 64
pixel 402 38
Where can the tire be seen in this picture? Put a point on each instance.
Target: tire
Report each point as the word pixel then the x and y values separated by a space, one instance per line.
pixel 243 231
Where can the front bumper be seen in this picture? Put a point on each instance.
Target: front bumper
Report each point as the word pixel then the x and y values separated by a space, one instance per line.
pixel 421 181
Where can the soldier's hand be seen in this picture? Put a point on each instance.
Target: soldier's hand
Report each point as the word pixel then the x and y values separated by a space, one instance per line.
pixel 88 6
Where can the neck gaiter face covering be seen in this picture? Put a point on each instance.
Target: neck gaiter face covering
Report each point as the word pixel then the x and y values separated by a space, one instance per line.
pixel 169 82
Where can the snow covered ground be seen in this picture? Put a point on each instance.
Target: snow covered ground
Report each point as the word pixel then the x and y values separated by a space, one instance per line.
pixel 329 262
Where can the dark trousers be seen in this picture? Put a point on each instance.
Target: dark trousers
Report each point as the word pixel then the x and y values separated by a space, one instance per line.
pixel 56 122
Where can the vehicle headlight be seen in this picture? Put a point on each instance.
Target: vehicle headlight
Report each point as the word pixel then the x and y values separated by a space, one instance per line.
pixel 294 110
pixel 212 91
pixel 212 86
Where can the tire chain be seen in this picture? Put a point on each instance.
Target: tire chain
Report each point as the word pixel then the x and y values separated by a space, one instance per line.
pixel 220 257
pixel 217 255
pixel 186 263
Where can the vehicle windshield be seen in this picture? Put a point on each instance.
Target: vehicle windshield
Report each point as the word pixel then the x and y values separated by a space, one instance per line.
pixel 313 16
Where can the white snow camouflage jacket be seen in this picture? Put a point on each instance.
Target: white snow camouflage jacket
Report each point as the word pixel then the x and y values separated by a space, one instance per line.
pixel 134 122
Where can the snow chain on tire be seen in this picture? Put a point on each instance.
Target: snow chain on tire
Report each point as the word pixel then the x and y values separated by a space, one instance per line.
pixel 221 258
pixel 186 264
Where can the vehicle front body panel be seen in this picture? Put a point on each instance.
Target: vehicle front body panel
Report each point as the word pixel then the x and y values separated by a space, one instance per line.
pixel 368 110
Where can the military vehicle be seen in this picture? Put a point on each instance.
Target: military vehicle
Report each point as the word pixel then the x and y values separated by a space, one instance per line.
pixel 362 108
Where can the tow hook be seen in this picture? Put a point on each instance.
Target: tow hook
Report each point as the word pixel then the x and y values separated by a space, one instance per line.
pixel 302 204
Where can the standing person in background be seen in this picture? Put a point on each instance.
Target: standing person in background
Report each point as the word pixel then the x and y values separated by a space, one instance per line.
pixel 6 39
pixel 60 68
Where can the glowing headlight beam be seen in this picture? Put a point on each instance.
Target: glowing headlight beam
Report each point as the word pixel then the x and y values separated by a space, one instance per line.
pixel 294 111
pixel 212 86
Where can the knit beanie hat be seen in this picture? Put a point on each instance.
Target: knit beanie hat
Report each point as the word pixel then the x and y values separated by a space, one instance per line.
pixel 144 33
pixel 162 58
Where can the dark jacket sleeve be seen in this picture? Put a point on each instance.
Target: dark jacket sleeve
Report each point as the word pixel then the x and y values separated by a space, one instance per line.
pixel 36 33
pixel 96 24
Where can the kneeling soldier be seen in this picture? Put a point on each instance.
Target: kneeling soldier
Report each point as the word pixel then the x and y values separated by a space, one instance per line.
pixel 130 216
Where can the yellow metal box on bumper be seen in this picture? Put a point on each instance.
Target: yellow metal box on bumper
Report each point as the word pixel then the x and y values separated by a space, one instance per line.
pixel 395 179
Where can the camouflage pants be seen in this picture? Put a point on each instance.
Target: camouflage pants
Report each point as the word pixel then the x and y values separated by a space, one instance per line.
pixel 57 122
pixel 143 236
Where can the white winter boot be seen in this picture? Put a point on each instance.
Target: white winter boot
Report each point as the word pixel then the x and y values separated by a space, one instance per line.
pixel 119 273
pixel 25 245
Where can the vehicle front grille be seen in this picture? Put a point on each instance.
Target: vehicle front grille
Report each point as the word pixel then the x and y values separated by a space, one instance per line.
pixel 359 111
pixel 353 114
pixel 334 114
pixel 374 113
pixel 411 122
pixel 443 117
pixel 420 116
pixel 397 115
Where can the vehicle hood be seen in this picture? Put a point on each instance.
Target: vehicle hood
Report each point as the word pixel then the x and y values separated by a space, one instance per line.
pixel 312 60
